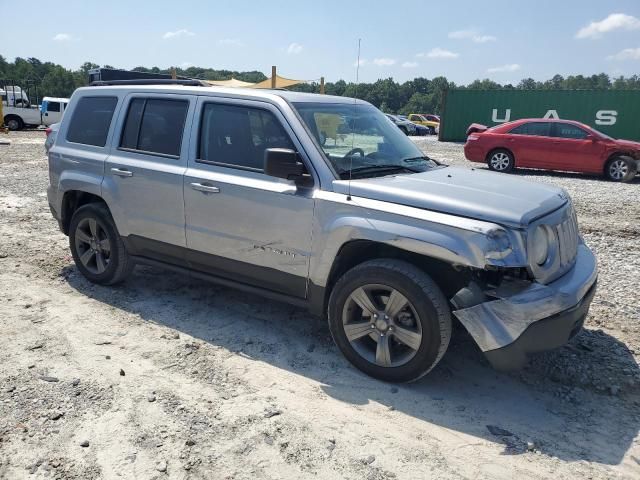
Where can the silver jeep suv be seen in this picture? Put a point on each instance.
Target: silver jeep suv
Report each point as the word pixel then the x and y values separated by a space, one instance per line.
pixel 362 228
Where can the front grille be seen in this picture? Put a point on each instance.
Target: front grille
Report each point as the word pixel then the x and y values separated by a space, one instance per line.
pixel 567 235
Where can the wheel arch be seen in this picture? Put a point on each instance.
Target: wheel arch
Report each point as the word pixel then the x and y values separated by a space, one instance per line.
pixel 72 200
pixel 12 116
pixel 356 252
pixel 615 154
pixel 495 149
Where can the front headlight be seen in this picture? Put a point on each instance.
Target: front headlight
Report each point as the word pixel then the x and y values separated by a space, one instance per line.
pixel 540 245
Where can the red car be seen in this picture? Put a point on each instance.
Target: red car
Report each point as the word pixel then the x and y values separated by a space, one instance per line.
pixel 552 145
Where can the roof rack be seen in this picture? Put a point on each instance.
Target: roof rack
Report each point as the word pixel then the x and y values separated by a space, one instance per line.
pixel 160 81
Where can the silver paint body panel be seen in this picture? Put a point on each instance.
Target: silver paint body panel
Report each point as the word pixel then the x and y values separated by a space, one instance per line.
pixel 467 218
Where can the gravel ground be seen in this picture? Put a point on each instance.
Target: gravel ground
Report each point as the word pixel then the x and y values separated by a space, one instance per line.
pixel 166 377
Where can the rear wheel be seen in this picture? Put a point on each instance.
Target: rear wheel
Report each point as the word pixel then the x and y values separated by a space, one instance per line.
pixel 501 161
pixel 390 320
pixel 620 169
pixel 96 246
pixel 13 123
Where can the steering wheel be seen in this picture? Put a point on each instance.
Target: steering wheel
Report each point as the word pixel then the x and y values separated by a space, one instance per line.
pixel 353 151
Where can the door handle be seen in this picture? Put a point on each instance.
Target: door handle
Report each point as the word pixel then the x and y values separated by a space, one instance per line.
pixel 202 187
pixel 121 172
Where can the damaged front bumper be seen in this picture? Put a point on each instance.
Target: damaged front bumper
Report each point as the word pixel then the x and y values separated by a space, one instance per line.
pixel 527 317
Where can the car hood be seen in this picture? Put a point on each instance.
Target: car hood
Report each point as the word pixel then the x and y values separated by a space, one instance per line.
pixel 471 193
pixel 629 144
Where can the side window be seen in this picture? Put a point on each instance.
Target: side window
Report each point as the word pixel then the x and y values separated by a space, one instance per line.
pixel 91 120
pixel 566 130
pixel 238 136
pixel 536 129
pixel 414 118
pixel 155 126
pixel 53 106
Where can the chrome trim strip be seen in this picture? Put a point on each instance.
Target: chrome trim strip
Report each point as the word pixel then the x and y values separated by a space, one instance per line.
pixel 412 212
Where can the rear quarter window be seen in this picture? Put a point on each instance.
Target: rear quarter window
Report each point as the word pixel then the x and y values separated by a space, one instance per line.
pixel 91 120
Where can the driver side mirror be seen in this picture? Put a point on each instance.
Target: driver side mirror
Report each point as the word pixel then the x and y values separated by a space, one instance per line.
pixel 285 163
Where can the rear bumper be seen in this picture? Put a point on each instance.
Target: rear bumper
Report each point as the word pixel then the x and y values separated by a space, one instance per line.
pixel 473 152
pixel 52 198
pixel 529 317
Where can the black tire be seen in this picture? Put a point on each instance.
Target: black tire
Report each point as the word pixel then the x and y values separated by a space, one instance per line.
pixel 432 131
pixel 621 169
pixel 13 122
pixel 426 300
pixel 117 260
pixel 501 160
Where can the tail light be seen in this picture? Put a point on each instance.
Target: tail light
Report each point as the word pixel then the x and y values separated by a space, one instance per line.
pixel 47 131
pixel 472 137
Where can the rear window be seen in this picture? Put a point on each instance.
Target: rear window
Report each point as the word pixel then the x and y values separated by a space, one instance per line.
pixel 155 126
pixel 91 120
pixel 537 129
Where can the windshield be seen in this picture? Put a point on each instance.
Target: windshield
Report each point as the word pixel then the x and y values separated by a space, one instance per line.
pixel 608 137
pixel 360 141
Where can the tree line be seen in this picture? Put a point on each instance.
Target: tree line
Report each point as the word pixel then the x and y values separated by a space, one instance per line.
pixel 417 95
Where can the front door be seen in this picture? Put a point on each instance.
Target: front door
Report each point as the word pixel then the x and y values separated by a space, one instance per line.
pixel 241 223
pixel 144 173
pixel 573 150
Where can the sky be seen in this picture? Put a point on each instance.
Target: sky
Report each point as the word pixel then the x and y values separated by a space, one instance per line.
pixel 463 40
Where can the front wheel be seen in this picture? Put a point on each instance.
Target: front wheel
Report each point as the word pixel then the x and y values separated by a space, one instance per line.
pixel 96 246
pixel 390 320
pixel 501 161
pixel 621 169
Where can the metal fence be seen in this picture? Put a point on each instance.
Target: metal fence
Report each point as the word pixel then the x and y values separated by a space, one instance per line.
pixel 614 112
pixel 19 93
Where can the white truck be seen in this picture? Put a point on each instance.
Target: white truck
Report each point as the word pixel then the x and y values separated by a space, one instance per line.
pixel 18 111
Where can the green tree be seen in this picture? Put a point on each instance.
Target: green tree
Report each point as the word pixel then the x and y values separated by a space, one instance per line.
pixel 59 82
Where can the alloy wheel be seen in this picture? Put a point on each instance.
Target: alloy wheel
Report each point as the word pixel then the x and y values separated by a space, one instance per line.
pixel 500 161
pixel 93 246
pixel 618 169
pixel 382 325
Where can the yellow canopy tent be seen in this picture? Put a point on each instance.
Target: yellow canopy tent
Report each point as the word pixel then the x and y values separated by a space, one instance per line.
pixel 229 83
pixel 281 82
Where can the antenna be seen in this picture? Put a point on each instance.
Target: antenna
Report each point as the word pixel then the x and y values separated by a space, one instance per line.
pixel 353 123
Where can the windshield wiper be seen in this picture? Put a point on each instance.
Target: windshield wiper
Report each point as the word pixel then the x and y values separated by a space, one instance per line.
pixel 424 158
pixel 378 168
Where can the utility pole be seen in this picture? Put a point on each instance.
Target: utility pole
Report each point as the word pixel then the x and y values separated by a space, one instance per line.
pixel 273 76
pixel 321 85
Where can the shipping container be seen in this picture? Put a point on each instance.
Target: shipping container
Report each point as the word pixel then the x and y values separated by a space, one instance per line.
pixel 614 112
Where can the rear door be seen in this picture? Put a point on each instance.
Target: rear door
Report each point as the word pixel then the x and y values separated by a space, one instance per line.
pixel 530 143
pixel 241 223
pixel 144 173
pixel 573 150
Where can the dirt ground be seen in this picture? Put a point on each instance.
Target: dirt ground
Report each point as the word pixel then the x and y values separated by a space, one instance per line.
pixel 168 377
